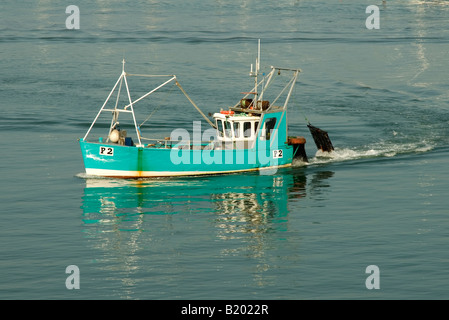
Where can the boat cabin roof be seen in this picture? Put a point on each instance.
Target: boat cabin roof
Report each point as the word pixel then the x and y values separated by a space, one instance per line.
pixel 236 117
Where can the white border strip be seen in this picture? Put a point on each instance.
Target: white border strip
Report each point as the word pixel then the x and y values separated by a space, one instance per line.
pixel 144 174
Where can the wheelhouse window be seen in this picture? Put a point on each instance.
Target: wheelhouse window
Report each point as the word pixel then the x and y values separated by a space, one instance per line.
pixel 227 129
pixel 237 129
pixel 270 123
pixel 247 132
pixel 220 128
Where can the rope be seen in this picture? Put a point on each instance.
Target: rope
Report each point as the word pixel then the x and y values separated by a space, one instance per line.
pixel 196 107
pixel 286 86
pixel 299 106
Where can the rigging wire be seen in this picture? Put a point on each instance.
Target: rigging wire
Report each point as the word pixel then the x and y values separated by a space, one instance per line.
pixel 158 107
pixel 320 137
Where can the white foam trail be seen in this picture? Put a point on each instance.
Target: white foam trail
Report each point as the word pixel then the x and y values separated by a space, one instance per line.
pixel 431 2
pixel 380 150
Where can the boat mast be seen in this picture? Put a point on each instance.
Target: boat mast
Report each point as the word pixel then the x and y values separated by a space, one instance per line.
pixel 257 69
pixel 255 73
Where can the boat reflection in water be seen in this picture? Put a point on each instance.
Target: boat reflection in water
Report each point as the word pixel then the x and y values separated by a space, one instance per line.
pixel 173 228
pixel 251 197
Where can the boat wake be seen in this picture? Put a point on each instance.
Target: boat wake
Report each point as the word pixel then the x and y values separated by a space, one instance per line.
pixel 83 175
pixel 367 152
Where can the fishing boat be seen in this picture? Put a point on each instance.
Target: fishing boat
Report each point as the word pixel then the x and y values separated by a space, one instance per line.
pixel 250 135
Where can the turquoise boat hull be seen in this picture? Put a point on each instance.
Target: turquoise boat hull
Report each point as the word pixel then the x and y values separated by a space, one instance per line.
pixel 112 160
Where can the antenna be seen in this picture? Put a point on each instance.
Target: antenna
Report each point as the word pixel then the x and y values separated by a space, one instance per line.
pixel 257 72
pixel 254 73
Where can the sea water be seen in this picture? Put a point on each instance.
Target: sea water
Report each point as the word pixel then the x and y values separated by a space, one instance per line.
pixel 307 232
